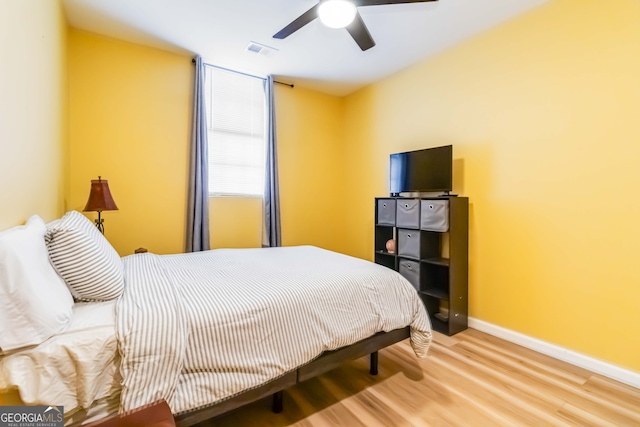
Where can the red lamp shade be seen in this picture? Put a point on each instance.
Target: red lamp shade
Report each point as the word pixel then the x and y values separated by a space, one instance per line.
pixel 100 197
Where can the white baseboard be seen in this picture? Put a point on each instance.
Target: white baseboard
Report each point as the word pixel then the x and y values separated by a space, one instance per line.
pixel 617 373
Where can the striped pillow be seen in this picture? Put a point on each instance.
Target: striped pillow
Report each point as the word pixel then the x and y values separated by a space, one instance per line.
pixel 84 258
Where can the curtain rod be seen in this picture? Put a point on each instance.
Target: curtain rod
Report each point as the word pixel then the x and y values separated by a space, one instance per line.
pixel 193 61
pixel 285 84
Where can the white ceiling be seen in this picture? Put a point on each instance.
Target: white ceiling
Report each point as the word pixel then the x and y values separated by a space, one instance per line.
pixel 316 57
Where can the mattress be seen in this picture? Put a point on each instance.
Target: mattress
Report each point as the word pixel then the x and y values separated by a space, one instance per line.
pixel 73 369
pixel 202 327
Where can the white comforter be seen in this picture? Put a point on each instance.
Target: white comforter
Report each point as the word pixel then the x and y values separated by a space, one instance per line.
pixel 197 328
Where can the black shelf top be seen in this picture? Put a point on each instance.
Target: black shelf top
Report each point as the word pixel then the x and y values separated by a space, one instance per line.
pixel 436 293
pixel 437 261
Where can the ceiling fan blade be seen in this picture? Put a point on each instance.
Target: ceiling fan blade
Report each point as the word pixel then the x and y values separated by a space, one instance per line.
pixel 298 23
pixel 360 34
pixel 381 2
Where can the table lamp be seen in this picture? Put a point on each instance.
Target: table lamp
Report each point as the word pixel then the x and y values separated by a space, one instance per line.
pixel 100 200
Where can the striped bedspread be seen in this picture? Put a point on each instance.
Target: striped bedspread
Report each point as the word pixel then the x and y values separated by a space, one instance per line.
pixel 197 328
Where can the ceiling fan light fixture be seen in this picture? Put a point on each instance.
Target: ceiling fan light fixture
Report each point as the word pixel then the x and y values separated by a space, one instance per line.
pixel 336 13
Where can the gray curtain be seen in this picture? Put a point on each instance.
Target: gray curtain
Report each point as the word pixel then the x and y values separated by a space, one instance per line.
pixel 198 198
pixel 273 235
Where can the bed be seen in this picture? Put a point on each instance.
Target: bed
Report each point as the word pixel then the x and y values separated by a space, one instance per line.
pixel 214 330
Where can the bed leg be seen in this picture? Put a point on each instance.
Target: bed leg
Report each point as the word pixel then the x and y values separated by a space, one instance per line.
pixel 276 406
pixel 373 365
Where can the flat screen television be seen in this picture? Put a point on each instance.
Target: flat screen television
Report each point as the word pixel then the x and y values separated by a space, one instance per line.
pixel 428 170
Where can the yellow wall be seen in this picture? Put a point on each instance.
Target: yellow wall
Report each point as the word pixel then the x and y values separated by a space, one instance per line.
pixel 311 168
pixel 543 113
pixel 235 222
pixel 130 122
pixel 311 171
pixel 33 110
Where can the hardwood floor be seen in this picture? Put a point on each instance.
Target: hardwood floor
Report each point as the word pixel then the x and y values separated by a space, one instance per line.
pixel 471 379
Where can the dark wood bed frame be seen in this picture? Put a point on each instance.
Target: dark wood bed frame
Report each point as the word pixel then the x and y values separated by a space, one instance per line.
pixel 327 361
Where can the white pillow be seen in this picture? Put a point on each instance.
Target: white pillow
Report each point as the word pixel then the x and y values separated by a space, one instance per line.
pixel 34 301
pixel 84 258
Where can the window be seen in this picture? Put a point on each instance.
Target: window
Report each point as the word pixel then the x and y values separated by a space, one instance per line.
pixel 236 118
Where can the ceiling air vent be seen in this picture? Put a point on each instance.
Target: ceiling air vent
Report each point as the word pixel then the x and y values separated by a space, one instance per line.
pixel 261 49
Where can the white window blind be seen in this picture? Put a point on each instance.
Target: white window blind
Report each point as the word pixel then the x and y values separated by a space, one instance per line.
pixel 236 110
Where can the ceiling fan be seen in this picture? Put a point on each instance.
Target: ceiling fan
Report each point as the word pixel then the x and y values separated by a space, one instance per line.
pixel 341 14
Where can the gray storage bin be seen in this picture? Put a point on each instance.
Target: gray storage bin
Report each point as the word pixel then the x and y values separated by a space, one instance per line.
pixel 386 211
pixel 408 213
pixel 434 215
pixel 408 243
pixel 411 271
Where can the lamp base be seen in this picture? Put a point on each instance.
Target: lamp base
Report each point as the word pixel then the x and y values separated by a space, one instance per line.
pixel 100 223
